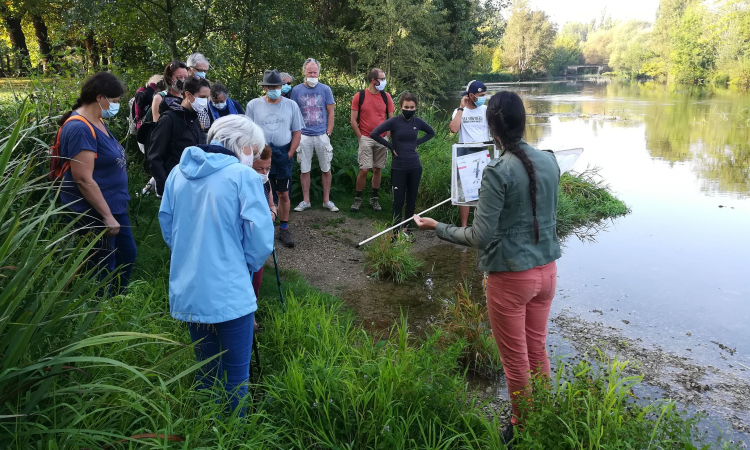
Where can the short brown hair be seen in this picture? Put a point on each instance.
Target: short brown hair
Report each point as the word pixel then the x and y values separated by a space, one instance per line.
pixel 266 153
pixel 373 75
pixel 408 97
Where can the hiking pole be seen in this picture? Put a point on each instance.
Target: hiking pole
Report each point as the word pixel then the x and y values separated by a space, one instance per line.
pixel 396 226
pixel 278 278
pixel 257 358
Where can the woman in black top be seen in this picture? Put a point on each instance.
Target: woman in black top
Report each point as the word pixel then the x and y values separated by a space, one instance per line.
pixel 406 169
pixel 177 128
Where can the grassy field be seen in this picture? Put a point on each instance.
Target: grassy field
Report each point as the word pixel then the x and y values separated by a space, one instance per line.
pixel 84 371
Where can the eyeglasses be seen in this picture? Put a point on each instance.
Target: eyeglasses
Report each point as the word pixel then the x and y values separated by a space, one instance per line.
pixel 288 84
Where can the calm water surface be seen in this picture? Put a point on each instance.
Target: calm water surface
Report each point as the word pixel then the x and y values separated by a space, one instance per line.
pixel 676 264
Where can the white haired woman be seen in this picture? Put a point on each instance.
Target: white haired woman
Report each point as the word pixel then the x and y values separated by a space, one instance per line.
pixel 214 218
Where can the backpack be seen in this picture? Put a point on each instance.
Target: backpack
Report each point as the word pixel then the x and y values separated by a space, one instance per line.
pixel 143 135
pixel 362 100
pixel 56 167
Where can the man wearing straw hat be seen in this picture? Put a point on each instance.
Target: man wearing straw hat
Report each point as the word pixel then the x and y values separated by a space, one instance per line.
pixel 281 122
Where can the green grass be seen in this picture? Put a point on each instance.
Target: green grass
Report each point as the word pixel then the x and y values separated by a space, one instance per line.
pixel 82 371
pixel 389 259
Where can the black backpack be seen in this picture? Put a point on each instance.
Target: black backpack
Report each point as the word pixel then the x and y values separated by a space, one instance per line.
pixel 362 100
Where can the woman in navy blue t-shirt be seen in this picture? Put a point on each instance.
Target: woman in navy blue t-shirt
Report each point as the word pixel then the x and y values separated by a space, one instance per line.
pixel 96 182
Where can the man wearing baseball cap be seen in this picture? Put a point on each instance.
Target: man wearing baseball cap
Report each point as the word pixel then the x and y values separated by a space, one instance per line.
pixel 470 122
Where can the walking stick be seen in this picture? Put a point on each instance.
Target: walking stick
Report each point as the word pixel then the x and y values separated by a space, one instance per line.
pixel 278 278
pixel 398 225
pixel 257 359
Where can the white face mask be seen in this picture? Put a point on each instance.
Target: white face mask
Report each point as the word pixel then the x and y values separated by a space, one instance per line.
pixel 264 177
pixel 247 160
pixel 200 104
pixel 312 82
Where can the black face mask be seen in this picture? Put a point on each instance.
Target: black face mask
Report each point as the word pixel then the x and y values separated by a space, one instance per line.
pixel 408 114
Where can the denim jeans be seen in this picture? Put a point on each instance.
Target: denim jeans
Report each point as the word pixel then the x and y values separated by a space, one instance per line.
pixel 115 252
pixel 234 336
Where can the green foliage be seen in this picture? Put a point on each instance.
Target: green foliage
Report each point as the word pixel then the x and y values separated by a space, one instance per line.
pixel 387 257
pixel 529 38
pixel 567 51
pixel 592 406
pixel 466 321
pixel 584 204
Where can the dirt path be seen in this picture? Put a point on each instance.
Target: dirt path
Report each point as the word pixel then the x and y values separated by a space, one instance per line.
pixel 324 249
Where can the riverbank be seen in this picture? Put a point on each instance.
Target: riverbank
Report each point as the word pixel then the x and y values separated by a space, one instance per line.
pixel 126 368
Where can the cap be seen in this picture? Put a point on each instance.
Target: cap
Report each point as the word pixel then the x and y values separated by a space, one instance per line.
pixel 474 87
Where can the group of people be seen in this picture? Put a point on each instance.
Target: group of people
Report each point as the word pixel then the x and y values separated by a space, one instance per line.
pixel 224 173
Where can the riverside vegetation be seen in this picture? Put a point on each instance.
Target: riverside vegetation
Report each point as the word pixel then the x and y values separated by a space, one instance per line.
pixel 83 371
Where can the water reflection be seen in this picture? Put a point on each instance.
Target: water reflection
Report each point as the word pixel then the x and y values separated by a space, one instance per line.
pixel 710 130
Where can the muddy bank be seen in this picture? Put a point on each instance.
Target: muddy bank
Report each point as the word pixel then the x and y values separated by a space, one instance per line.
pixel 680 378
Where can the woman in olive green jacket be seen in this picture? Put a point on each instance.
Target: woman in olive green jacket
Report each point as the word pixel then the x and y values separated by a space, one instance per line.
pixel 514 230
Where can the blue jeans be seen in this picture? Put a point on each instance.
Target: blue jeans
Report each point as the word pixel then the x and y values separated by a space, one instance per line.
pixel 234 336
pixel 124 254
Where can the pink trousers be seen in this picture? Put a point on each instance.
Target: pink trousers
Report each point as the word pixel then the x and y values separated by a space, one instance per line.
pixel 518 304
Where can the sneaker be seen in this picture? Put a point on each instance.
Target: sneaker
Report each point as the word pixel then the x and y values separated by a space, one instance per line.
pixel 375 205
pixel 285 236
pixel 150 187
pixel 356 205
pixel 303 205
pixel 330 206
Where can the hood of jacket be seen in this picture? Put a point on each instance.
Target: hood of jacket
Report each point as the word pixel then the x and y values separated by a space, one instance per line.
pixel 204 160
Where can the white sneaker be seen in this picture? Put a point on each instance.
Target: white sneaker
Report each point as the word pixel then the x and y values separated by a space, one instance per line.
pixel 330 206
pixel 150 187
pixel 302 206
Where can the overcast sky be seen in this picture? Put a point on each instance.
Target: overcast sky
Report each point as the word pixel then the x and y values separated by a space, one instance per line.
pixel 563 11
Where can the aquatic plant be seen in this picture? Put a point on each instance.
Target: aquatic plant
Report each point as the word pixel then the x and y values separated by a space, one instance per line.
pixel 585 205
pixel 591 405
pixel 388 257
pixel 466 321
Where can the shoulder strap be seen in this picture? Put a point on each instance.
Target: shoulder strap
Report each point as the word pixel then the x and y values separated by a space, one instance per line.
pixel 359 104
pixel 82 119
pixel 385 100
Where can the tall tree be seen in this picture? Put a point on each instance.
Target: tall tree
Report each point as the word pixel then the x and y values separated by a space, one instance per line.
pixel 529 39
pixel 12 15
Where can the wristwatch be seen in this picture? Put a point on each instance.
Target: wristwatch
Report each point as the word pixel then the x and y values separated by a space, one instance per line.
pixel 459 109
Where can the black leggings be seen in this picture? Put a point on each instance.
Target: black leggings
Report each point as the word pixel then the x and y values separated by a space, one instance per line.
pixel 405 183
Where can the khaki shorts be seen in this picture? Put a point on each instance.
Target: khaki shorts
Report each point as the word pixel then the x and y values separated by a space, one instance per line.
pixel 371 154
pixel 321 146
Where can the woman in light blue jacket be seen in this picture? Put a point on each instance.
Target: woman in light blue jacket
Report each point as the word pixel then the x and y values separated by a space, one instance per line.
pixel 214 218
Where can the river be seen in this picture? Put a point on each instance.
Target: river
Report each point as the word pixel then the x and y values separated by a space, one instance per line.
pixel 671 275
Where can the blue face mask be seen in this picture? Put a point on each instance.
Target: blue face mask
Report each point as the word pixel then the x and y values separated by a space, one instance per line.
pixel 286 88
pixel 112 111
pixel 200 74
pixel 273 94
pixel 480 101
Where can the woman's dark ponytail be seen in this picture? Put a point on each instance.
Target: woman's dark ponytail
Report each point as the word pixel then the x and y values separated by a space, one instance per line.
pixel 102 83
pixel 506 117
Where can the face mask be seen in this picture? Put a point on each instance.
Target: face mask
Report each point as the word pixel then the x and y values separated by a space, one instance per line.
pixel 286 88
pixel 247 160
pixel 199 104
pixel 273 94
pixel 480 101
pixel 381 86
pixel 221 105
pixel 263 177
pixel 179 85
pixel 312 82
pixel 408 114
pixel 200 74
pixel 112 111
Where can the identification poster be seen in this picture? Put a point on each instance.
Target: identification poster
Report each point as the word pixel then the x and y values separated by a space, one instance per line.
pixel 469 161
